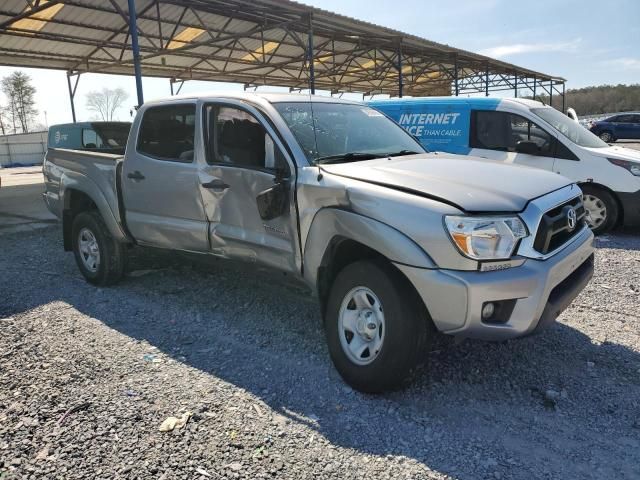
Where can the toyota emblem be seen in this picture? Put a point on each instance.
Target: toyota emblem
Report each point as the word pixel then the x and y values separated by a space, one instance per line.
pixel 572 218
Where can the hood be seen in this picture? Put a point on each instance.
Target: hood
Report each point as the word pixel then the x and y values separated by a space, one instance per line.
pixel 470 184
pixel 620 153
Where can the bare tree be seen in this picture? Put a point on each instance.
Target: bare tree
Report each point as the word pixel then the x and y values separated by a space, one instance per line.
pixel 106 102
pixel 2 128
pixel 21 100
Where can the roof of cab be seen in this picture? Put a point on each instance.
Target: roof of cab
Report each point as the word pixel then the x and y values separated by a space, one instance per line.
pixel 271 97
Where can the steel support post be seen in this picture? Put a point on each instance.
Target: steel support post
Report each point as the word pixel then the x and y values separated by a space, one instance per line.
pixel 534 87
pixel 72 93
pixel 133 31
pixel 455 74
pixel 564 105
pixel 551 93
pixel 312 74
pixel 515 88
pixel 400 79
pixel 486 82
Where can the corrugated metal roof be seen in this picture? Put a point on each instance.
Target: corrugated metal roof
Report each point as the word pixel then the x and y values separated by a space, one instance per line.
pixel 252 42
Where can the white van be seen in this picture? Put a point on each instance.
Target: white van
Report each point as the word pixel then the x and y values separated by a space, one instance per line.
pixel 529 133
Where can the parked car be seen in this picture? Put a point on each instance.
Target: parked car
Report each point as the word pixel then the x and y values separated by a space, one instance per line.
pixel 525 132
pixel 106 137
pixel 623 126
pixel 396 243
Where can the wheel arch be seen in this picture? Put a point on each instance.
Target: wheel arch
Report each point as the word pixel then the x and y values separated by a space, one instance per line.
pixel 338 238
pixel 80 195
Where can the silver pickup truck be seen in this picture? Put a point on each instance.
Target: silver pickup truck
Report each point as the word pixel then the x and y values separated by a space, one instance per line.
pixel 397 243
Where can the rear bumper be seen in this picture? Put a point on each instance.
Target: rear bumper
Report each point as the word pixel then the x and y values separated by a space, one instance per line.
pixel 630 202
pixel 537 292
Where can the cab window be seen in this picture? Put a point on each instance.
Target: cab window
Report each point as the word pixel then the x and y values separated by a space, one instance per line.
pixel 236 137
pixel 167 133
pixel 502 131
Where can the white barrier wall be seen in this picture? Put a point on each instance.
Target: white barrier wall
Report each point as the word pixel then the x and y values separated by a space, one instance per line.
pixel 22 149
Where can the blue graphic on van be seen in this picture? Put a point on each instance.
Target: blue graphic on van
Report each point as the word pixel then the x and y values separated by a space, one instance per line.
pixel 440 124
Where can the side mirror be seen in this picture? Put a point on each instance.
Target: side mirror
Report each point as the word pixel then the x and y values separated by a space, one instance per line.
pixel 273 201
pixel 528 147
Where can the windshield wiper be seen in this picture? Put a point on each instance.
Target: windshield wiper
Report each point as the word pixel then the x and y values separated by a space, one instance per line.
pixel 401 153
pixel 348 157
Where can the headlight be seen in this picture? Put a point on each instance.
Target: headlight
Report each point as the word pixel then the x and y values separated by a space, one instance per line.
pixel 486 238
pixel 633 167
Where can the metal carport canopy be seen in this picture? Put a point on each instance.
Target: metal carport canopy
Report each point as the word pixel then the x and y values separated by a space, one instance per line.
pixel 254 42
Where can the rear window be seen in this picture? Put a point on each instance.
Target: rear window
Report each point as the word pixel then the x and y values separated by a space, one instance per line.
pixel 167 133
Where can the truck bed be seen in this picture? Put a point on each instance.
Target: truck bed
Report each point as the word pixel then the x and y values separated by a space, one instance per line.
pixel 98 172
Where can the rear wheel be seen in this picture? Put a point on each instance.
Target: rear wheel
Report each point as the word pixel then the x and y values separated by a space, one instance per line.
pixel 100 258
pixel 607 137
pixel 376 327
pixel 601 207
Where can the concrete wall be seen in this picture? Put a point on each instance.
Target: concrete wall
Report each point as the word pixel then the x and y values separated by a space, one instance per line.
pixel 22 149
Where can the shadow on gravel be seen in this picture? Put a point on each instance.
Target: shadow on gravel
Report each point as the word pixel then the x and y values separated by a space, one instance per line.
pixel 627 238
pixel 524 406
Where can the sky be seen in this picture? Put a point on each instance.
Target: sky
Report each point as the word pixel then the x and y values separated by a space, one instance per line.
pixel 588 42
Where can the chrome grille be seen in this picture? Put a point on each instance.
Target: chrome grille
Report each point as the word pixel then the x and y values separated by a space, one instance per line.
pixel 557 227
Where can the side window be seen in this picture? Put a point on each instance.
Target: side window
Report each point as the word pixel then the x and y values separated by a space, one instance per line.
pixel 236 137
pixel 502 131
pixel 90 139
pixel 635 118
pixel 624 119
pixel 167 133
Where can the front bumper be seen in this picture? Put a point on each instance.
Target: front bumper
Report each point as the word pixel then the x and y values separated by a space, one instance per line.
pixel 540 289
pixel 630 207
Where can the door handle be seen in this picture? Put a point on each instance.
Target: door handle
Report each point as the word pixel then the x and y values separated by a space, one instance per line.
pixel 136 175
pixel 216 184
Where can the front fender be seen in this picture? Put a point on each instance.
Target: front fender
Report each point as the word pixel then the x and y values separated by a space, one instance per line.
pixel 76 181
pixel 329 223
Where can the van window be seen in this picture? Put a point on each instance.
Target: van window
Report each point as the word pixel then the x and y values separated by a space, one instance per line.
pixel 236 137
pixel 495 130
pixel 112 135
pixel 575 132
pixel 167 133
pixel 90 139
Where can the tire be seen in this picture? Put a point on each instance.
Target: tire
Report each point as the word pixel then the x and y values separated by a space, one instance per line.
pixel 90 236
pixel 400 339
pixel 602 209
pixel 607 137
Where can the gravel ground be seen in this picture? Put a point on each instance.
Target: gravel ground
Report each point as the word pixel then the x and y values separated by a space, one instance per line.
pixel 88 376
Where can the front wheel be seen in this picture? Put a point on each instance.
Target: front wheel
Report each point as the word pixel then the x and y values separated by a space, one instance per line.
pixel 601 207
pixel 376 327
pixel 100 258
pixel 607 137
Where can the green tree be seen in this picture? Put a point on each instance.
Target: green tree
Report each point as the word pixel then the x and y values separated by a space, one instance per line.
pixel 21 102
pixel 600 99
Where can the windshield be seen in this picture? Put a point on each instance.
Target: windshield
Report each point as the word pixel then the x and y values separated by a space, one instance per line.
pixel 570 129
pixel 112 135
pixel 331 131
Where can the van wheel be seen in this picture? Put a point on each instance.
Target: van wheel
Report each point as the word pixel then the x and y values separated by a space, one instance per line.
pixel 607 137
pixel 601 207
pixel 376 327
pixel 100 258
